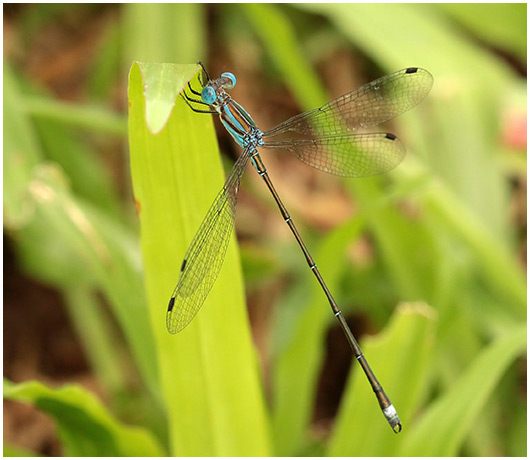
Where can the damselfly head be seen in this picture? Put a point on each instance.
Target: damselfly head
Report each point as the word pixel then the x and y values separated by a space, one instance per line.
pixel 208 94
pixel 214 92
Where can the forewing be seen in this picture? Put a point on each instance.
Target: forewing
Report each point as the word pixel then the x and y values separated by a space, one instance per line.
pixel 368 106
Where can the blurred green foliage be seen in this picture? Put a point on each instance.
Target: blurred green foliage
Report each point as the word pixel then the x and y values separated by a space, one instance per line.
pixel 84 425
pixel 445 230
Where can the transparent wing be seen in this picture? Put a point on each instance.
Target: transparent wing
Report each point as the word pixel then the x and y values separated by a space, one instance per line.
pixel 351 155
pixel 370 105
pixel 205 256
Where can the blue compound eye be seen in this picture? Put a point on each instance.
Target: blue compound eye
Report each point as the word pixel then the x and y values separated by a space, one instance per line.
pixel 231 77
pixel 208 95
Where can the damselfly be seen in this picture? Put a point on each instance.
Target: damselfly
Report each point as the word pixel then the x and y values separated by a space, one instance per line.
pixel 324 138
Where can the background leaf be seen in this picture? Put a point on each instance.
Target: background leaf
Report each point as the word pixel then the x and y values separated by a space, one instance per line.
pixel 452 416
pixel 84 425
pixel 406 348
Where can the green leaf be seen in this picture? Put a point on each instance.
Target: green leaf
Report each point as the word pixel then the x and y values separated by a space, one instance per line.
pixel 279 38
pixel 72 244
pixel 162 85
pixel 67 240
pixel 88 175
pixel 164 32
pixel 400 357
pixel 497 265
pixel 83 423
pixel 401 242
pixel 88 117
pixel 209 372
pixel 502 25
pixel 98 337
pixel 21 153
pixel 443 427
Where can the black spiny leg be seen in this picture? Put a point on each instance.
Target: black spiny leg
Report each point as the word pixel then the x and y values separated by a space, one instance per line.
pixel 195 92
pixel 189 100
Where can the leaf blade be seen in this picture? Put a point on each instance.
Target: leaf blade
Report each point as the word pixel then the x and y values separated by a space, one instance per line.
pixel 176 174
